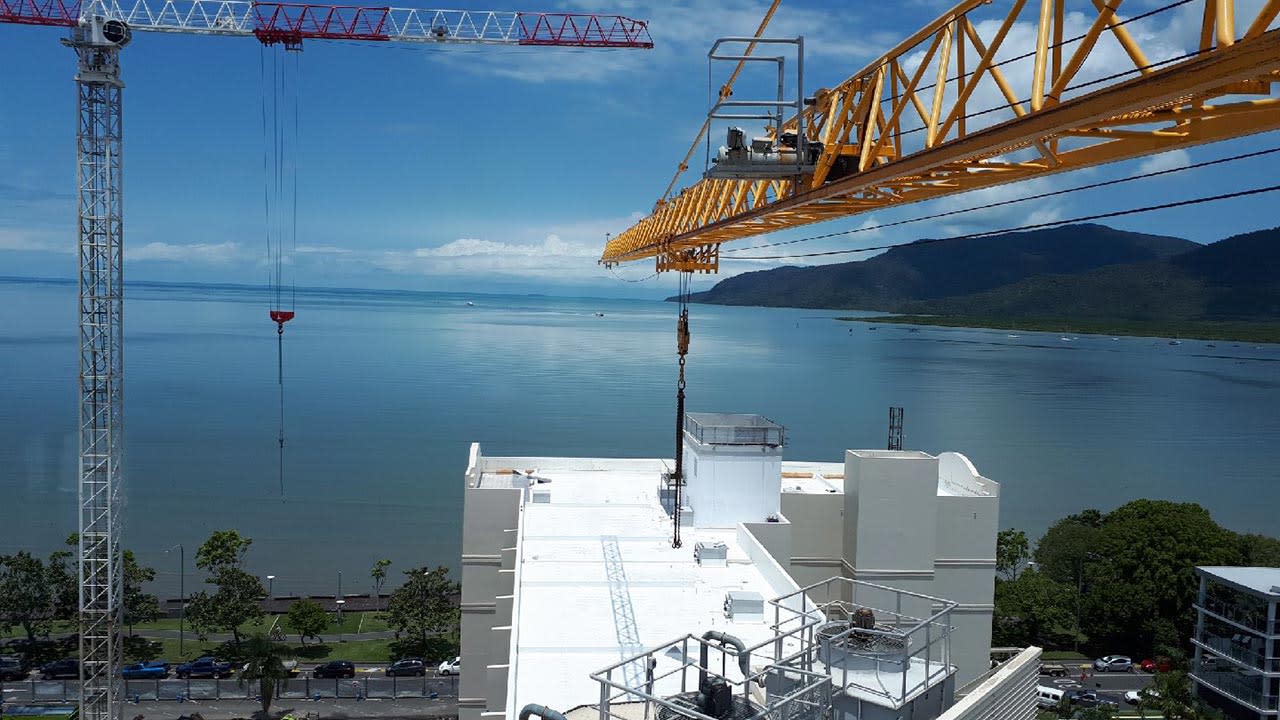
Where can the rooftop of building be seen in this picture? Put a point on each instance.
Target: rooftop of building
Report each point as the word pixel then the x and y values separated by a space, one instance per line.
pixel 598 580
pixel 1260 580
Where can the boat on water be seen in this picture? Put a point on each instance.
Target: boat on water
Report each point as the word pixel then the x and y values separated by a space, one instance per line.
pixel 1175 342
pixel 1013 336
pixel 470 304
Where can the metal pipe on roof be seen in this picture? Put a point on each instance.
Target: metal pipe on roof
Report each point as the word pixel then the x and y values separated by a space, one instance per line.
pixel 542 711
pixel 744 658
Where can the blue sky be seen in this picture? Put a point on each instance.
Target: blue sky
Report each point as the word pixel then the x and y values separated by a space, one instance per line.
pixel 477 168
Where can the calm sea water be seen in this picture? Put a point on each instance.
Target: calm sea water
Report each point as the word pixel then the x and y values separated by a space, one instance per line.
pixel 386 390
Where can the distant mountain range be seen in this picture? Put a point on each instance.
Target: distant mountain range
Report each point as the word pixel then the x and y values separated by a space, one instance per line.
pixel 1088 272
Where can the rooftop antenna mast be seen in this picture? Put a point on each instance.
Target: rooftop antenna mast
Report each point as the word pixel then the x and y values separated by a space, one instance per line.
pixel 895 428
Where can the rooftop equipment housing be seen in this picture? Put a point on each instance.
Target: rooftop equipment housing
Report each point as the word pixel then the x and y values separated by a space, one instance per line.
pixel 733 464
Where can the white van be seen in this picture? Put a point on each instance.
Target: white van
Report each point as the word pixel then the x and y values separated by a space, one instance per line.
pixel 1048 697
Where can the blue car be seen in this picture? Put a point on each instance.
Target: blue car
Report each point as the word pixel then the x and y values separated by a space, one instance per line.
pixel 205 667
pixel 152 670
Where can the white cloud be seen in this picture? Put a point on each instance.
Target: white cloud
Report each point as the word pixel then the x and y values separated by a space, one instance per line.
pixel 35 241
pixel 1163 161
pixel 551 246
pixel 222 253
pixel 682 33
pixel 321 250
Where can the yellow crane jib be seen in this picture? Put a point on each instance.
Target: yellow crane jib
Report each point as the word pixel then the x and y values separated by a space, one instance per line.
pixel 959 106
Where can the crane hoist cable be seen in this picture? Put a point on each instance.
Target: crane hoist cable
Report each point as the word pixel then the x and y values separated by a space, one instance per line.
pixel 682 349
pixel 280 199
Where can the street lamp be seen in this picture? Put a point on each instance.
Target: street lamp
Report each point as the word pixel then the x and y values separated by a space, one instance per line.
pixel 182 595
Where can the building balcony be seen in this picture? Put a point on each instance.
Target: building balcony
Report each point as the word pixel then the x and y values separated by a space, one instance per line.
pixel 1239 688
pixel 1237 648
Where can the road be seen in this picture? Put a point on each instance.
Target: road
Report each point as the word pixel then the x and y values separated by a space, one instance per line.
pixel 1110 686
pixel 229 709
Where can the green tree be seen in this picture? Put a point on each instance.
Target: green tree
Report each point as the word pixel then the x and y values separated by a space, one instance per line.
pixel 1067 545
pixel 61 574
pixel 264 662
pixel 1032 610
pixel 1142 580
pixel 236 599
pixel 139 606
pixel 424 605
pixel 307 619
pixel 26 596
pixel 1259 551
pixel 379 575
pixel 1012 550
pixel 224 548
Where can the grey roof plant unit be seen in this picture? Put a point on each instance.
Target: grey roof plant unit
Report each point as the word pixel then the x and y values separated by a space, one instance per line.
pixel 711 553
pixel 743 605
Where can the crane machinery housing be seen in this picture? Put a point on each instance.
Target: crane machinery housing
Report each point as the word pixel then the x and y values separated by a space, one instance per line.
pixel 99 30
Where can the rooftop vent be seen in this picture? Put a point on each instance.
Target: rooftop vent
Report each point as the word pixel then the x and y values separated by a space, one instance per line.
pixel 743 605
pixel 711 554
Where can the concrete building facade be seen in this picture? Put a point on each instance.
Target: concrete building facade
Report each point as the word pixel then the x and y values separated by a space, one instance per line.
pixel 568 567
pixel 907 519
pixel 1236 667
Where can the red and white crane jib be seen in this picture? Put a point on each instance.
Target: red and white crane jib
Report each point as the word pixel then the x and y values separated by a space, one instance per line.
pixel 291 23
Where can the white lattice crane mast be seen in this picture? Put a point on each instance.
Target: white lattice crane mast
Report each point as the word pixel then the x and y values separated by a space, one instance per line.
pixel 99 29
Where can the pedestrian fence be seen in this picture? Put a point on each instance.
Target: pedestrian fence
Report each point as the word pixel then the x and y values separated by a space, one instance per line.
pixel 303 688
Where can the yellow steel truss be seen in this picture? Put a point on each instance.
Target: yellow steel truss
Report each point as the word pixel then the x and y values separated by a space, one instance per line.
pixel 1053 119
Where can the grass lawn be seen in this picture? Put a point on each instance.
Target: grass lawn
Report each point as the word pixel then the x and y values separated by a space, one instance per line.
pixel 374 622
pixel 1064 656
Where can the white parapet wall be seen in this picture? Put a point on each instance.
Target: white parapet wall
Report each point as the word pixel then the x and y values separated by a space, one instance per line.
pixel 1009 693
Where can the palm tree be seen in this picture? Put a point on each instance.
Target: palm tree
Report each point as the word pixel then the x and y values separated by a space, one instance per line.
pixel 264 662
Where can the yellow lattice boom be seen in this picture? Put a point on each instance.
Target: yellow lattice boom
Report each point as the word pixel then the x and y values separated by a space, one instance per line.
pixel 942 114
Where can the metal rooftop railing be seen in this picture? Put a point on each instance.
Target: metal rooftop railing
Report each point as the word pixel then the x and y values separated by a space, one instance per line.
pixel 734 429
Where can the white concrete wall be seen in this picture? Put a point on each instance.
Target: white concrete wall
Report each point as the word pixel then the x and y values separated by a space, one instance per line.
pixel 964 570
pixel 910 521
pixel 891 524
pixel 489 516
pixel 729 484
pixel 817 543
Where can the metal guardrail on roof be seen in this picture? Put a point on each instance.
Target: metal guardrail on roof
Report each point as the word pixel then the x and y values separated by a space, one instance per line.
pixel 734 429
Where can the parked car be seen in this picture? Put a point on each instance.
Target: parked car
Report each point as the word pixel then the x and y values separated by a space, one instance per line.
pixel 61 670
pixel 151 670
pixel 1133 697
pixel 1160 664
pixel 335 669
pixel 290 667
pixel 450 667
pixel 1089 698
pixel 1113 663
pixel 1053 669
pixel 1048 697
pixel 407 666
pixel 205 667
pixel 11 668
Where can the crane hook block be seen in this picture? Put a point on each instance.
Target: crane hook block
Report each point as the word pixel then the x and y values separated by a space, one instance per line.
pixel 280 317
pixel 682 333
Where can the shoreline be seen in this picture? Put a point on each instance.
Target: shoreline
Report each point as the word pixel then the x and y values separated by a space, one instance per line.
pixel 1194 330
